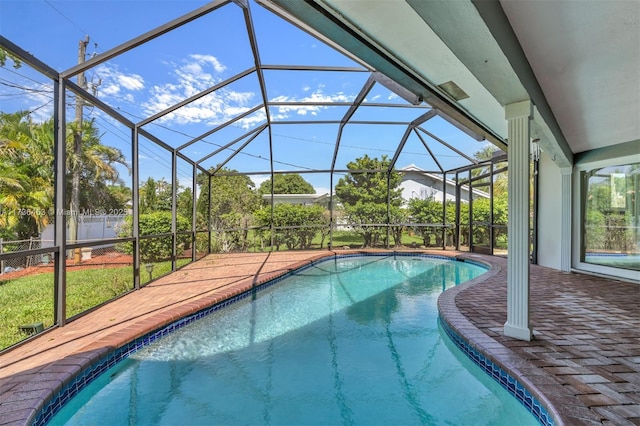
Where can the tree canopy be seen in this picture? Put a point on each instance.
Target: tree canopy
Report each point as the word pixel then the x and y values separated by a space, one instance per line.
pixel 233 201
pixel 4 56
pixel 155 196
pixel 95 165
pixel 292 215
pixel 364 195
pixel 291 183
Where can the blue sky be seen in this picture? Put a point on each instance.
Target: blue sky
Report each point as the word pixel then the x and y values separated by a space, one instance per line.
pixel 203 53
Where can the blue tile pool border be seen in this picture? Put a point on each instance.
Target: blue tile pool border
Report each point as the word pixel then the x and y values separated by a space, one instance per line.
pixel 93 371
pixel 506 380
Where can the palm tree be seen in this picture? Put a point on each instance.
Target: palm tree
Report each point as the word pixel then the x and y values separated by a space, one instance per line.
pixel 90 168
pixel 500 180
pixel 26 172
pixel 26 190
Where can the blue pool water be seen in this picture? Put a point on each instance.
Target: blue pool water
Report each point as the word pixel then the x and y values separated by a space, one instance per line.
pixel 616 260
pixel 347 341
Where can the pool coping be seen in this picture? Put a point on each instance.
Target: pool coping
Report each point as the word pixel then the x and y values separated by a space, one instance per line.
pixel 52 379
pixel 496 360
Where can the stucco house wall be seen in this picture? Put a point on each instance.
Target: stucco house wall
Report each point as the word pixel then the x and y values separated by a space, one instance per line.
pixel 549 213
pixel 418 184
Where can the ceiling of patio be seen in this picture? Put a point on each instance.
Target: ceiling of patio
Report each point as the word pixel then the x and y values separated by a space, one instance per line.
pixel 579 62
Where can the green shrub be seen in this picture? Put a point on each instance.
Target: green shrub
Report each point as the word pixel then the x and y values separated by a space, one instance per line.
pixel 156 249
pixel 292 215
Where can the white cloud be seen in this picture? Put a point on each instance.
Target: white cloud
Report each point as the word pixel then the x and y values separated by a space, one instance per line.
pixel 322 190
pixel 240 97
pixel 212 60
pixel 258 179
pixel 131 82
pixel 284 112
pixel 110 89
pixel 195 74
pixel 42 97
pixel 192 75
pixel 253 120
pixel 117 84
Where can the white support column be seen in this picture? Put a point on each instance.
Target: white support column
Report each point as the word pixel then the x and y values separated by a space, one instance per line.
pixel 518 117
pixel 565 224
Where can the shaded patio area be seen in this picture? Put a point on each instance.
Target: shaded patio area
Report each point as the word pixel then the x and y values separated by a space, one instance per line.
pixel 584 360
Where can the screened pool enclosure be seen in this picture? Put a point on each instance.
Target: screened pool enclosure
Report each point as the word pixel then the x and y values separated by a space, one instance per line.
pixel 227 129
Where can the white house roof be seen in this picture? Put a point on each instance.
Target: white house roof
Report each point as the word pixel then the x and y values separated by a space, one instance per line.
pixel 439 178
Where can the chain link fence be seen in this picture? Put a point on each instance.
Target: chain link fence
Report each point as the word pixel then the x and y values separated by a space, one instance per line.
pixel 90 227
pixel 11 265
pixel 87 255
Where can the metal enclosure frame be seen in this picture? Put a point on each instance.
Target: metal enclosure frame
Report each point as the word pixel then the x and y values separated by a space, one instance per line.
pixel 63 84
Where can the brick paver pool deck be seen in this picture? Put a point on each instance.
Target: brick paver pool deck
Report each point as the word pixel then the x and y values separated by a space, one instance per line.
pixel 584 361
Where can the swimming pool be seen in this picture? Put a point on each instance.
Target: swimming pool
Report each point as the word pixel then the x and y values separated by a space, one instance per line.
pixel 352 340
pixel 616 260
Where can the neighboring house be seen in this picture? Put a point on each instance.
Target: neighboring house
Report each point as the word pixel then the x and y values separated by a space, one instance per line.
pixel 417 183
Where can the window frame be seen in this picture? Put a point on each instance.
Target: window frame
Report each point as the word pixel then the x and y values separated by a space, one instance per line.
pixel 578 219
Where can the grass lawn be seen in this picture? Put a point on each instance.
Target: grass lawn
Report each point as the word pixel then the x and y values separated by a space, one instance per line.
pixel 344 239
pixel 24 300
pixel 354 240
pixel 341 239
pixel 30 299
